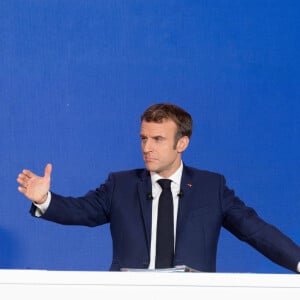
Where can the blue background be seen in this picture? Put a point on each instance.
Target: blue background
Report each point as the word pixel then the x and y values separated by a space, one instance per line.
pixel 75 77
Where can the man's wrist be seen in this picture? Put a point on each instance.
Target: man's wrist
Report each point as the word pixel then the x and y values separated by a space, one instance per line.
pixel 43 206
pixel 43 199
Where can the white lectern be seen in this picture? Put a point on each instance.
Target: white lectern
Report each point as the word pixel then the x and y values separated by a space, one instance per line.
pixel 55 285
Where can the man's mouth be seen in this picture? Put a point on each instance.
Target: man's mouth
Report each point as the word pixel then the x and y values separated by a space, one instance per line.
pixel 149 159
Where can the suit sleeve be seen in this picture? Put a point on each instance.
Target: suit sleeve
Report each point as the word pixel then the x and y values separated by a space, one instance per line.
pixel 91 210
pixel 248 226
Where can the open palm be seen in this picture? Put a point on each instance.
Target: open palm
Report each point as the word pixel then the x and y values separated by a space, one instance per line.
pixel 33 186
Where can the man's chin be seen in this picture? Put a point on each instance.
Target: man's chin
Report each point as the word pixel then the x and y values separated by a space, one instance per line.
pixel 151 168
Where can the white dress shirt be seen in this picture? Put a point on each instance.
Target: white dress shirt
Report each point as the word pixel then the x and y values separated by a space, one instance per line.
pixel 156 190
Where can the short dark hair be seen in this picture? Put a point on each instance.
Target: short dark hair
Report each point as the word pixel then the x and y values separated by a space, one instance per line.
pixel 166 111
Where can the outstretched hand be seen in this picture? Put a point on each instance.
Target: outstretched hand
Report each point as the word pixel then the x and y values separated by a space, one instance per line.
pixel 35 187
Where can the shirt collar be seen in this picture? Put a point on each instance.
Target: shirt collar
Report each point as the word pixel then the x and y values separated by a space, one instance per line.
pixel 175 177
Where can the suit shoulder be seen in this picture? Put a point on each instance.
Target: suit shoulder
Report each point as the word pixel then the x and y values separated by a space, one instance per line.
pixel 203 173
pixel 130 173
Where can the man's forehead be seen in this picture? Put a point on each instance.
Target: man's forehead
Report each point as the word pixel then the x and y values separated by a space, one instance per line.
pixel 156 129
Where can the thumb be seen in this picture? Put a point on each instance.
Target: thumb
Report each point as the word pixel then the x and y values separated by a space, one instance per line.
pixel 48 170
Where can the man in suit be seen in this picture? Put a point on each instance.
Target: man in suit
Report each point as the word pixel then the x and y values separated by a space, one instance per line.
pixel 129 201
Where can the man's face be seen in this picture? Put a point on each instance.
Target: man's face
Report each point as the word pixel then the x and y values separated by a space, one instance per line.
pixel 160 153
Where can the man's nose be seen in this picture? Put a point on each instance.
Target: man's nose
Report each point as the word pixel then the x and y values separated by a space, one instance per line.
pixel 147 146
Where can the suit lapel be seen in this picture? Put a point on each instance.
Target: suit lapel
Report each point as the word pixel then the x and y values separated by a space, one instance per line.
pixel 145 198
pixel 184 201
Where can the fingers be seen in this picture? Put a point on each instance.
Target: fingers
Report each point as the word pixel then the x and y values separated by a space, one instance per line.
pixel 28 173
pixel 21 189
pixel 35 187
pixel 27 177
pixel 23 179
pixel 48 170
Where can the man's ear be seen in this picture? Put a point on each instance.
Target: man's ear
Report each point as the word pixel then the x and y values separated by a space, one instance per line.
pixel 182 143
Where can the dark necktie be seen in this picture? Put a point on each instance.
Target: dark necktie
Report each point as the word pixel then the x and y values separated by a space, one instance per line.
pixel 165 227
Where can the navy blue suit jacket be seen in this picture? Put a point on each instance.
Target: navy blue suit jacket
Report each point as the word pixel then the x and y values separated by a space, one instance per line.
pixel 206 206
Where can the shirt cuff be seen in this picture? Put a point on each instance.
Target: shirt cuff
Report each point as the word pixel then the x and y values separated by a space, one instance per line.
pixel 41 208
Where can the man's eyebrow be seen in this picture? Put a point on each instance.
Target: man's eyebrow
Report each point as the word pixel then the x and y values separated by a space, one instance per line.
pixel 152 137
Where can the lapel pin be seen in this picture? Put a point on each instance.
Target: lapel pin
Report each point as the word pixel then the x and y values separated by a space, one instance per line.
pixel 189 185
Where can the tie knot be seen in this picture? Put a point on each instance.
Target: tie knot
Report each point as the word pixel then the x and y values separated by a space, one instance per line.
pixel 164 183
